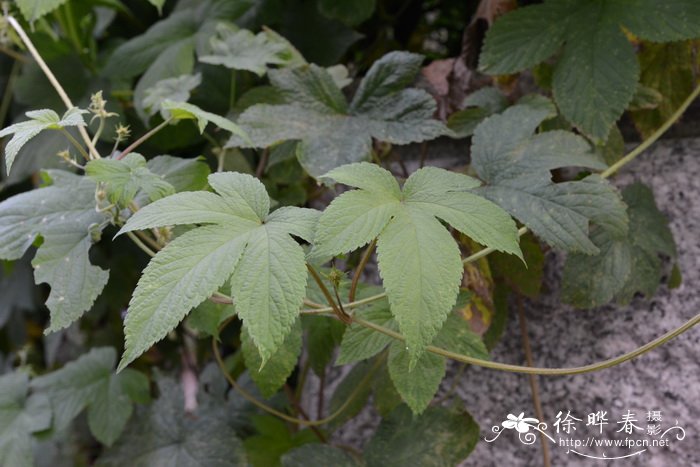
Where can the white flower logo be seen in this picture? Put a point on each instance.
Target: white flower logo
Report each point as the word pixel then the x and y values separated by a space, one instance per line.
pixel 520 423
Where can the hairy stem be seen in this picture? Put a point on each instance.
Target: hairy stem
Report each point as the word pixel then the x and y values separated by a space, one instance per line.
pixel 326 293
pixel 52 79
pixel 144 138
pixel 542 371
pixel 261 405
pixel 360 267
pixel 534 389
pixel 76 144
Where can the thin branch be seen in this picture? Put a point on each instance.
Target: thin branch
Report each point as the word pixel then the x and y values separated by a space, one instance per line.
pixel 18 57
pixel 143 138
pixel 52 79
pixel 140 244
pixel 326 293
pixel 262 164
pixel 261 405
pixel 360 268
pixel 542 371
pixel 76 144
pixel 534 389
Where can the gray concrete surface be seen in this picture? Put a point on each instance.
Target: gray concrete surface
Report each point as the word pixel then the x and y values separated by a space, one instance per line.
pixel 666 379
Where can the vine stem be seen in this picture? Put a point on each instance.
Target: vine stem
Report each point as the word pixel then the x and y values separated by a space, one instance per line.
pixel 261 405
pixel 542 371
pixel 340 313
pixel 52 79
pixel 144 137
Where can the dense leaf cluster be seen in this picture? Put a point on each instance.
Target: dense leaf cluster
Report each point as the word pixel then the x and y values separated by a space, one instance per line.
pixel 267 185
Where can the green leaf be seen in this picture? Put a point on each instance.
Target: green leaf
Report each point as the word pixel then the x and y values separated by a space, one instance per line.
pixel 169 89
pixel 477 106
pixel 271 377
pixel 32 10
pixel 182 174
pixel 64 215
pixel 323 336
pixel 319 454
pixel 20 416
pixel 272 440
pixel 419 261
pixel 596 75
pixel 360 343
pixel 355 384
pixel 668 69
pixel 166 50
pixel 333 132
pixel 125 178
pixel 158 4
pixel 164 434
pixel 39 120
pixel 185 111
pixel 525 278
pixel 240 49
pixel 438 437
pixel 208 316
pixel 350 12
pixel 517 165
pixel 243 244
pixel 625 265
pixel 416 385
pixel 90 382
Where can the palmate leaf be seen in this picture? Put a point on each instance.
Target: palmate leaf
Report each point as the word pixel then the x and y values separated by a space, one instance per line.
pixel 64 215
pixel 163 435
pixel 319 454
pixel 597 73
pixel 241 243
pixel 167 49
pixel 240 49
pixel 625 265
pixel 90 382
pixel 516 166
pixel 20 416
pixel 438 437
pixel 126 177
pixel 419 261
pixel 39 120
pixel 334 132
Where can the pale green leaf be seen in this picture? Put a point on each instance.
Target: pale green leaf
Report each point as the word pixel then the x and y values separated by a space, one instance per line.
pixel 366 176
pixel 240 49
pixel 268 286
pixel 438 437
pixel 182 174
pixel 170 89
pixel 355 384
pixel 185 111
pixel 39 120
pixel 64 215
pixel 416 385
pixel 271 377
pixel 421 270
pixel 180 277
pixel 90 382
pixel 352 220
pixel 360 343
pixel 32 10
pixel 265 265
pixel 158 4
pixel 125 178
pixel 20 416
pixel 419 261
